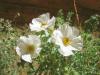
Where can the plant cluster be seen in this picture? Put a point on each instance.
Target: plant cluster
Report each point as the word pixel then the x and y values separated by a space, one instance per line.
pixel 50 46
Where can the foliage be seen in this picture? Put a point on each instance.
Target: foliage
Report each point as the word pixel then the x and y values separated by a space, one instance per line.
pixel 50 62
pixel 92 24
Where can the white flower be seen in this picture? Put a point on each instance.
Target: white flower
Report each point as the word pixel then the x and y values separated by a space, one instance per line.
pixel 28 47
pixel 68 39
pixel 42 22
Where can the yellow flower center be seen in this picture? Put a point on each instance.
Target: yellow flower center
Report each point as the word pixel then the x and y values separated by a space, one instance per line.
pixel 30 48
pixel 44 23
pixel 66 41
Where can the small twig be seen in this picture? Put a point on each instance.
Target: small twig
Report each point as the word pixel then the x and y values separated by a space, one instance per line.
pixel 76 12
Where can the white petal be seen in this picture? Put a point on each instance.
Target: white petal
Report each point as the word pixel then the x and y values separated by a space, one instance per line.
pixel 77 40
pixel 78 46
pixel 75 31
pixel 44 17
pixel 36 22
pixel 69 47
pixel 63 30
pixel 65 51
pixel 57 33
pixel 35 27
pixel 23 39
pixel 51 21
pixel 69 32
pixel 66 31
pixel 18 51
pixel 27 58
pixel 57 37
pixel 22 46
pixel 34 39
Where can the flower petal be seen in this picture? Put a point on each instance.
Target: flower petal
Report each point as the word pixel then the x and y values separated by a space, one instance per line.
pixel 77 40
pixel 35 28
pixel 75 31
pixel 65 51
pixel 35 25
pixel 78 46
pixel 69 32
pixel 36 22
pixel 27 58
pixel 44 17
pixel 23 39
pixel 22 46
pixel 66 30
pixel 18 51
pixel 34 39
pixel 56 38
pixel 51 21
pixel 69 47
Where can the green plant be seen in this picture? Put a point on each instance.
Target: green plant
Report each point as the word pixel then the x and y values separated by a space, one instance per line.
pixel 86 62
